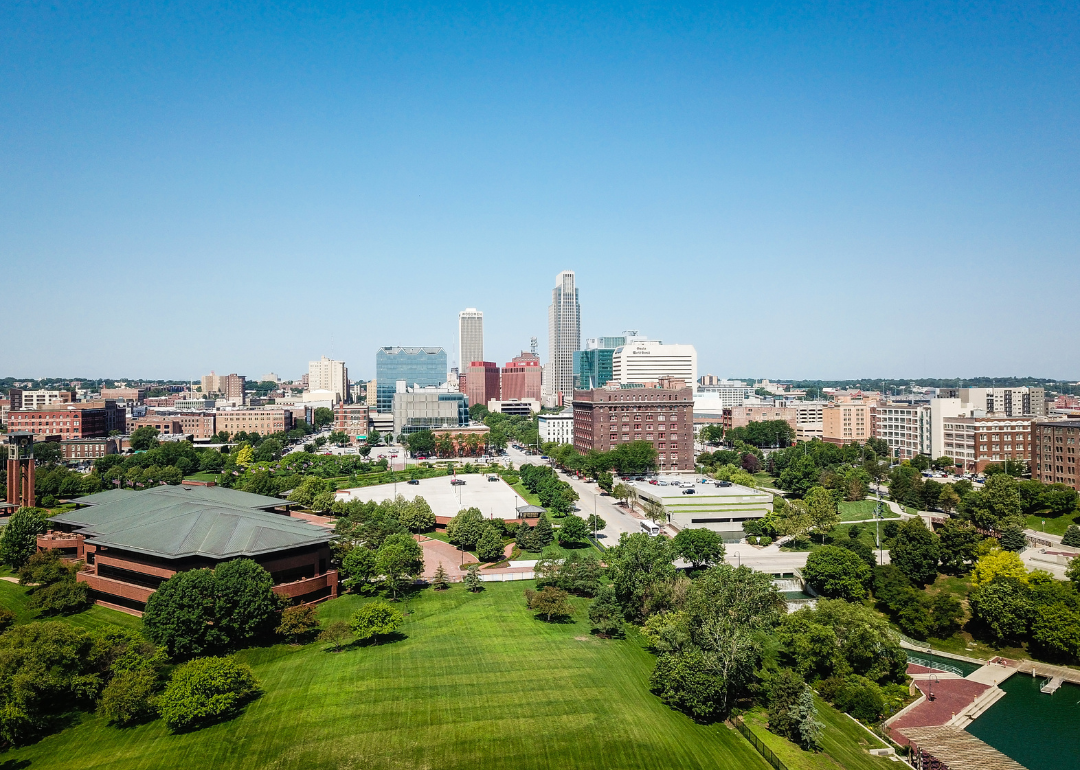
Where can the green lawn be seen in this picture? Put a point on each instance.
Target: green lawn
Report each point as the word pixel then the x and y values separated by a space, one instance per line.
pixel 201 476
pixel 844 743
pixel 860 510
pixel 530 498
pixel 14 598
pixel 476 683
pixel 1054 525
pixel 765 480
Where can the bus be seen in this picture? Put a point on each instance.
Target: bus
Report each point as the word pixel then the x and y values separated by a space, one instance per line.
pixel 650 528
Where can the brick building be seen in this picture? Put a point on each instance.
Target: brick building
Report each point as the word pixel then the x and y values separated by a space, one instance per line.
pixel 975 442
pixel 69 421
pixel 128 394
pixel 352 419
pixel 521 379
pixel 261 421
pixel 741 416
pixel 132 542
pixel 846 423
pixel 76 449
pixel 664 416
pixel 165 425
pixel 35 399
pixel 1053 451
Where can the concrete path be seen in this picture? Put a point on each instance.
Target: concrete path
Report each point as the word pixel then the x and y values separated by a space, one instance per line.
pixel 437 552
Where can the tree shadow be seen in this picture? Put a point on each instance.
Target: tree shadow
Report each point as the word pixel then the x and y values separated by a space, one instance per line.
pixel 222 718
pixel 555 619
pixel 14 764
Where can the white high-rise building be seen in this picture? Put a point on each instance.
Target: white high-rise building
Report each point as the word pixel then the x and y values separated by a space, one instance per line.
pixel 564 336
pixel 470 337
pixel 329 375
pixel 649 360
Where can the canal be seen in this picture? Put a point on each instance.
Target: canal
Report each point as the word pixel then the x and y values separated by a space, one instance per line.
pixel 1041 732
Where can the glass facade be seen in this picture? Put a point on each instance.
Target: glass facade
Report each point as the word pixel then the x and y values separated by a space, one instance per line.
pixel 592 368
pixel 418 367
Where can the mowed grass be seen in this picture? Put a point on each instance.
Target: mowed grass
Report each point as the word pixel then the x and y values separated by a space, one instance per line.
pixel 843 743
pixel 476 682
pixel 1054 525
pixel 861 510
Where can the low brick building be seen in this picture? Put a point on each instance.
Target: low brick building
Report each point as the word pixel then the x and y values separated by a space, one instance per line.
pixel 69 421
pixel 131 542
pixel 664 416
pixel 261 421
pixel 76 449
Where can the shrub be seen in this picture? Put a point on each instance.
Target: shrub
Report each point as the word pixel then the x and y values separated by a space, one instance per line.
pixel 375 619
pixel 7 619
pixel 63 597
pixel 130 697
pixel 298 622
pixel 837 573
pixel 206 690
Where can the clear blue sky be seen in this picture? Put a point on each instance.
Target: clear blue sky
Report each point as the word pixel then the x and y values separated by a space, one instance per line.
pixel 827 190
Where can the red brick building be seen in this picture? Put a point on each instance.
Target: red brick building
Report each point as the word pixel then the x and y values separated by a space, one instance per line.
pixel 980 441
pixel 131 542
pixel 262 421
pixel 76 449
pixel 165 425
pixel 482 382
pixel 663 416
pixel 69 421
pixel 1054 446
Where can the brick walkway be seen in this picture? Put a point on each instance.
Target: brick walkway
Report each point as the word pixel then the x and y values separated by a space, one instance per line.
pixel 437 552
pixel 951 696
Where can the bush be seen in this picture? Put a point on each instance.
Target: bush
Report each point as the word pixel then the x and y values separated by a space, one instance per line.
pixel 7 619
pixel 686 682
pixel 64 597
pixel 298 622
pixel 206 690
pixel 837 573
pixel 375 619
pixel 130 697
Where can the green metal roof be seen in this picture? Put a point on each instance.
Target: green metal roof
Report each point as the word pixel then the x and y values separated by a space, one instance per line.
pixel 107 496
pixel 171 523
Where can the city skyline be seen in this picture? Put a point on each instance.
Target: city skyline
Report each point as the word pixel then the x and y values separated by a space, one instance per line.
pixel 789 175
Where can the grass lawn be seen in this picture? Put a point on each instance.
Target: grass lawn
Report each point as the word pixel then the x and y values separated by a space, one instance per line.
pixel 860 510
pixel 1055 525
pixel 15 598
pixel 840 532
pixel 202 476
pixel 844 743
pixel 765 480
pixel 530 498
pixel 477 682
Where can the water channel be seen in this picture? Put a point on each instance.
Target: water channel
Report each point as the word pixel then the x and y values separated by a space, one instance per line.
pixel 1040 731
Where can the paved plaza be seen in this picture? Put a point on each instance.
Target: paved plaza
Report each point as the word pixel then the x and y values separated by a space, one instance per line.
pixel 495 499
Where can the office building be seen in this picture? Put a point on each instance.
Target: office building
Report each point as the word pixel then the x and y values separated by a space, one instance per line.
pixel 977 441
pixel 81 449
pixel 741 416
pixel 470 337
pixel 371 394
pixel 165 425
pixel 415 367
pixel 556 428
pixel 1054 445
pixel 522 378
pixel 846 423
pixel 261 421
pixel 564 337
pixel 137 395
pixel 421 409
pixel 36 399
pixel 482 382
pixel 644 361
pixel 353 420
pixel 904 427
pixel 69 421
pixel 523 407
pixel 1009 402
pixel 329 375
pixel 231 386
pixel 664 416
pixel 592 365
pixel 131 542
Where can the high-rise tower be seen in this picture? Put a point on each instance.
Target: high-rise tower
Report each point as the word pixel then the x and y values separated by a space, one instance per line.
pixel 564 335
pixel 470 337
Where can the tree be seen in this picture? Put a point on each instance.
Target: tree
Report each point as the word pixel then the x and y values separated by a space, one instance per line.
pixel 794 520
pixel 916 552
pixel 573 531
pixel 605 614
pixel 7 619
pixel 336 633
pixel 420 442
pixel 1003 607
pixel 1013 539
pixel 375 619
pixel 824 513
pixel 1071 537
pixel 440 582
pixel 957 541
pixel 466 528
pixel 1001 497
pixel 1072 572
pixel 799 477
pixel 473 581
pixel 130 696
pixel 323 416
pixel 944 463
pixel 490 546
pixel 948 499
pixel 996 564
pixel 417 515
pixel 179 615
pixel 550 602
pixel 298 622
pixel 358 567
pixel 399 559
pixel 246 606
pixel 605 481
pixel 18 542
pixel 1055 630
pixel 595 523
pixel 946 612
pixel 543 534
pixel 206 690
pixel 792 713
pixel 244 456
pixel 687 681
pixel 654 510
pixel 144 438
pixel 837 573
pixel 700 547
pixel 636 565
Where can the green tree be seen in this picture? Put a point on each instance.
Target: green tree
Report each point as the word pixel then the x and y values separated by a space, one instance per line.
pixel 948 499
pixel 179 615
pixel 946 612
pixel 700 547
pixel 245 606
pixel 440 582
pixel 654 510
pixel 688 681
pixel 837 573
pixel 916 552
pixel 466 528
pixel 823 510
pixel 358 568
pixel 130 697
pixel 473 581
pixel 1055 631
pixel 1071 537
pixel 636 565
pixel 1003 607
pixel 335 634
pixel 421 442
pixel 144 438
pixel 206 690
pixel 323 416
pixel 543 534
pixel 399 560
pixel 573 531
pixel 298 622
pixel 605 614
pixel 794 520
pixel 375 619
pixel 605 481
pixel 1013 539
pixel 958 541
pixel 549 602
pixel 18 540
pixel 799 477
pixel 490 546
pixel 1073 572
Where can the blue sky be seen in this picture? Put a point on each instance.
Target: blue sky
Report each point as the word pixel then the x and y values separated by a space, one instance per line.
pixel 800 190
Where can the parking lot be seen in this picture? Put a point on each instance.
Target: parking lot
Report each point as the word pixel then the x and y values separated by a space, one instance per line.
pixel 495 499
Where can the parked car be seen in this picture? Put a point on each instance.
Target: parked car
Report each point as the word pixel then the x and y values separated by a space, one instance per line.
pixel 457 482
pixel 493 478
pixel 413 481
pixel 689 491
pixel 723 483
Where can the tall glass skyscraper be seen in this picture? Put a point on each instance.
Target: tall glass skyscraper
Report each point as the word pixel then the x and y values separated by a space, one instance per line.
pixel 417 367
pixel 564 335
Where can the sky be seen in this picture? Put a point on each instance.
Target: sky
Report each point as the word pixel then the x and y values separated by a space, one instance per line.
pixel 820 190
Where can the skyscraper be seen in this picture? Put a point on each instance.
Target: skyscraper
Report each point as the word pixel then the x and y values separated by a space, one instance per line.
pixel 415 367
pixel 564 335
pixel 327 374
pixel 470 337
